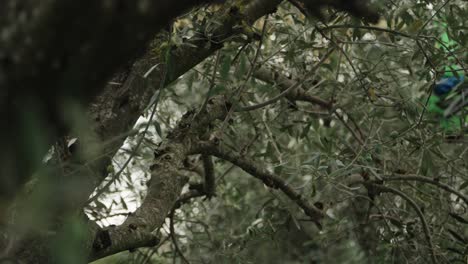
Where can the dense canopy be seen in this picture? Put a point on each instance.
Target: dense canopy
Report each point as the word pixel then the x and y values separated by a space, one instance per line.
pixel 241 131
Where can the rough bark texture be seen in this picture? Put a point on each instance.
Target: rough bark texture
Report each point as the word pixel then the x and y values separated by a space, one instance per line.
pixel 117 239
pixel 56 53
pixel 167 176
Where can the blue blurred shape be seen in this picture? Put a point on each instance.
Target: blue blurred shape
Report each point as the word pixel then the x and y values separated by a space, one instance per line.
pixel 446 84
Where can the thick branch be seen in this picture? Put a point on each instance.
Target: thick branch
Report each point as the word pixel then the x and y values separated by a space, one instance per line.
pixel 166 182
pixel 167 170
pixel 117 239
pixel 209 185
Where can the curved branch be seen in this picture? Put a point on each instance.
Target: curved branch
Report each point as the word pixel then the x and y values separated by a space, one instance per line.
pixel 416 208
pixel 429 181
pixel 167 178
pixel 258 172
pixel 183 199
pixel 300 94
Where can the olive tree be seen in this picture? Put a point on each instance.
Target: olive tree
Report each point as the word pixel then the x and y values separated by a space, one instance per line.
pixel 266 131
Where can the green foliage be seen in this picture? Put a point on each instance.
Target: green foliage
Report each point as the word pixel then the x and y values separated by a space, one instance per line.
pixel 71 237
pixel 378 79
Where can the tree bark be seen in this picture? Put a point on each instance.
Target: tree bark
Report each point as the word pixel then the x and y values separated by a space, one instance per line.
pixel 55 54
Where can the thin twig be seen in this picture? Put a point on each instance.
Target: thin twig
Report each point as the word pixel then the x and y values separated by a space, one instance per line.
pixel 429 181
pixel 358 138
pixel 289 89
pixel 249 74
pixel 183 199
pixel 212 84
pixel 432 17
